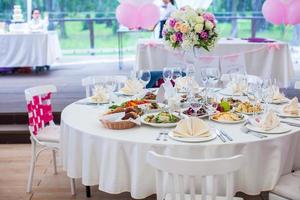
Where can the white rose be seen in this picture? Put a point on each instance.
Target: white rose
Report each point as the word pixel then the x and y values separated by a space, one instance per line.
pixel 209 25
pixel 198 27
pixel 200 20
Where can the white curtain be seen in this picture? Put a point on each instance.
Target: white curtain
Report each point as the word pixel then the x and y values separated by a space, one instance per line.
pixel 194 3
pixel 29 8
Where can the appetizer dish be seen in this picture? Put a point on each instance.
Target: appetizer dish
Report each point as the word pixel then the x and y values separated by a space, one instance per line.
pixel 132 113
pixel 184 98
pixel 223 106
pixel 200 113
pixel 126 104
pixel 228 117
pixel 247 107
pixel 162 118
pixel 150 96
pixel 233 102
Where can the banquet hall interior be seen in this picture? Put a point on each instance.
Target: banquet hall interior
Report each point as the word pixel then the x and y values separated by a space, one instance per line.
pixel 150 99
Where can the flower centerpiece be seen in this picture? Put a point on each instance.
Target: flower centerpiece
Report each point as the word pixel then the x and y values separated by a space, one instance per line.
pixel 188 28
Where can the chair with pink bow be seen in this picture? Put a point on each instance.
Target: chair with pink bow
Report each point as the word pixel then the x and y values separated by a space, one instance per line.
pixel 43 131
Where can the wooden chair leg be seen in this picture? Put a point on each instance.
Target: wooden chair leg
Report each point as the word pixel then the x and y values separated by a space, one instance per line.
pixel 32 165
pixel 54 161
pixel 88 191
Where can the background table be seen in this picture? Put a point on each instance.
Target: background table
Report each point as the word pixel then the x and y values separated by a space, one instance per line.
pixel 116 160
pixel 29 49
pixel 275 63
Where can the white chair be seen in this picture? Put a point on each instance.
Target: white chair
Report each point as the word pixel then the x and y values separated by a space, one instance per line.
pixel 188 169
pixel 297 85
pixel 43 131
pixel 288 187
pixel 89 82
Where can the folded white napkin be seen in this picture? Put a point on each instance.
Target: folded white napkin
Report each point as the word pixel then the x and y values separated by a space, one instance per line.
pixel 132 87
pixel 100 94
pixel 277 95
pixel 191 127
pixel 268 122
pixel 237 88
pixel 169 89
pixel 293 107
pixel 182 84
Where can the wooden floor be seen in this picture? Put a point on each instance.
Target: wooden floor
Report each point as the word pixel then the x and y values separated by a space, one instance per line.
pixel 14 167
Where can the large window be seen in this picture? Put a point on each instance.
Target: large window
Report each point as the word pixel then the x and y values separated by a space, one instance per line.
pixel 90 24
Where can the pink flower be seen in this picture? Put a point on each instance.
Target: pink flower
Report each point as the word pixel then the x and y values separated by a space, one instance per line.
pixel 203 35
pixel 172 22
pixel 210 17
pixel 178 36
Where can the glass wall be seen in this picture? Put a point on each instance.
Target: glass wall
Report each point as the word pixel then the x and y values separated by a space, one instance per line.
pixel 90 24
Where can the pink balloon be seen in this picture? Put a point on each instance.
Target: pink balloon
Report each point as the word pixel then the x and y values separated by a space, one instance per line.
pixel 275 11
pixel 293 14
pixel 127 15
pixel 148 16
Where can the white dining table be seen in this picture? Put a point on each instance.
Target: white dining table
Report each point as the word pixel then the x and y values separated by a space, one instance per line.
pixel 29 49
pixel 264 59
pixel 115 160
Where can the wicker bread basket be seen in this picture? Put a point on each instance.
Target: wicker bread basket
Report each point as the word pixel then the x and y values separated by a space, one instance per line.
pixel 118 125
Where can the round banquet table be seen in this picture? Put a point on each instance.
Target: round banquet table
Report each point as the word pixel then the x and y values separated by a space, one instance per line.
pixel 116 159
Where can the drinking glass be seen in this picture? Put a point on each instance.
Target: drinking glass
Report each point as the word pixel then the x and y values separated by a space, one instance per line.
pixel 110 86
pixel 144 76
pixel 176 73
pixel 195 105
pixel 266 88
pixel 167 74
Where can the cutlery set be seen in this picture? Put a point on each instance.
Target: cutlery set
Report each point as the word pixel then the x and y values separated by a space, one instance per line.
pixel 223 135
pixel 162 134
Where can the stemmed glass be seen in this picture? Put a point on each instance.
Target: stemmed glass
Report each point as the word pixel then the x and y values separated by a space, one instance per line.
pixel 144 76
pixel 266 88
pixel 110 86
pixel 213 76
pixel 204 80
pixel 167 74
pixel 176 73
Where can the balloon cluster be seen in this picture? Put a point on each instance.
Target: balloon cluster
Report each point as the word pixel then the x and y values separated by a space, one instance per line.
pixel 282 11
pixel 137 14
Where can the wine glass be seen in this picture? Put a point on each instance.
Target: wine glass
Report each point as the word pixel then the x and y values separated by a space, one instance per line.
pixel 266 87
pixel 110 86
pixel 190 70
pixel 167 74
pixel 195 105
pixel 213 75
pixel 144 76
pixel 176 73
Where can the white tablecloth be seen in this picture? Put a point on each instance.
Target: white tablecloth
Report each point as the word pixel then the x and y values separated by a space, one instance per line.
pixel 29 49
pixel 116 160
pixel 265 62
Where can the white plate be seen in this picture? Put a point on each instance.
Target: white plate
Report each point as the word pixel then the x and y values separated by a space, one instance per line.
pixel 286 100
pixel 282 128
pixel 282 114
pixel 250 113
pixel 124 94
pixel 90 100
pixel 145 107
pixel 231 122
pixel 228 92
pixel 193 139
pixel 159 125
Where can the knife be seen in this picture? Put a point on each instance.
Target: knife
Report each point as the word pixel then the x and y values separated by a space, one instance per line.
pixel 226 135
pixel 219 134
